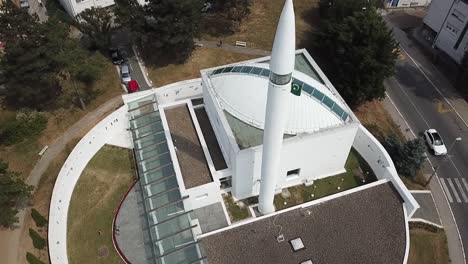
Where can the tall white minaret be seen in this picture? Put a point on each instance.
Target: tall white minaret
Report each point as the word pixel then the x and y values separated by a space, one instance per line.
pixel 281 67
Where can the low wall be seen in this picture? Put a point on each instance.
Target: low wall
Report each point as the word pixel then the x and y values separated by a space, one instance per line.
pixel 110 130
pixel 382 165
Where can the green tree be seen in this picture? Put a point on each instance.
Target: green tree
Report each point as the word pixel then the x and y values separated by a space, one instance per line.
pixel 38 241
pixel 40 220
pixel 33 259
pixel 408 157
pixel 339 9
pixel 225 16
pixel 96 24
pixel 13 191
pixel 164 28
pixel 357 54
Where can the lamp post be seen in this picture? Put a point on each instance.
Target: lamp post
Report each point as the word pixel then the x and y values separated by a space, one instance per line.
pixel 445 158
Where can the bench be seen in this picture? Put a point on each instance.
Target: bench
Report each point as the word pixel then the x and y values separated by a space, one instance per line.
pixel 44 149
pixel 241 43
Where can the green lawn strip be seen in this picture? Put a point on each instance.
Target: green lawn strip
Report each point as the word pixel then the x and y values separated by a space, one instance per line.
pixel 327 186
pixel 98 192
pixel 236 212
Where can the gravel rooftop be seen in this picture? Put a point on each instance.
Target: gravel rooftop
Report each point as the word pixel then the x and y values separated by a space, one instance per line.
pixel 366 227
pixel 193 165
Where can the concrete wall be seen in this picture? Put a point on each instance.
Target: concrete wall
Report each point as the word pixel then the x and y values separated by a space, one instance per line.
pixel 110 130
pixel 452 24
pixel 382 165
pixel 317 155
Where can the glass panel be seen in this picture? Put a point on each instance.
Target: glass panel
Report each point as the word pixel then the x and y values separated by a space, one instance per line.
pixel 148 153
pixel 147 130
pixel 149 140
pixel 227 69
pixel 145 120
pixel 328 102
pixel 159 187
pixel 173 225
pixel 140 102
pixel 157 174
pixel 237 69
pixel 344 117
pixel 172 242
pixel 256 71
pixel 318 94
pixel 155 162
pixel 307 88
pixel 218 71
pixel 185 255
pixel 246 69
pixel 166 212
pixel 265 72
pixel 161 200
pixel 338 111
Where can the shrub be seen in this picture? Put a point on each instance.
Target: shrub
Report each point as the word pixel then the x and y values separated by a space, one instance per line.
pixel 27 124
pixel 408 157
pixel 33 259
pixel 40 220
pixel 38 241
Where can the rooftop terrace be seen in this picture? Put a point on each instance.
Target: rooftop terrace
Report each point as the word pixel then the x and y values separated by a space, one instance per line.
pixel 364 227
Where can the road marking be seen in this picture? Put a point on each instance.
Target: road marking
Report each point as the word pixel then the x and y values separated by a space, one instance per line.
pixel 447 193
pixel 461 190
pixel 401 115
pixel 440 107
pixel 435 87
pixel 455 193
pixel 412 103
pixel 453 163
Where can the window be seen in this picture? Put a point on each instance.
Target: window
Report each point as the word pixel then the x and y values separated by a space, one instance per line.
pixel 452 29
pixel 459 15
pixel 293 174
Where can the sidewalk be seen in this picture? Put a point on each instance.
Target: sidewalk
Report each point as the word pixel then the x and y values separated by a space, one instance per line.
pixel 445 212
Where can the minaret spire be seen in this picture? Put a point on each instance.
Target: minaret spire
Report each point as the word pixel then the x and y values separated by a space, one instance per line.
pixel 281 67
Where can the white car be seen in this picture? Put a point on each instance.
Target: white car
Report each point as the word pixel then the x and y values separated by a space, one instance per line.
pixel 125 70
pixel 435 142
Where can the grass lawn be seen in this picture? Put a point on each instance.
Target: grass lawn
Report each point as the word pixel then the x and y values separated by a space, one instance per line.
pixel 97 194
pixel 428 247
pixel 258 29
pixel 201 58
pixel 236 213
pixel 327 186
pixel 59 120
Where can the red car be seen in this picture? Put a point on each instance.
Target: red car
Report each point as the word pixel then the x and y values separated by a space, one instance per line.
pixel 132 86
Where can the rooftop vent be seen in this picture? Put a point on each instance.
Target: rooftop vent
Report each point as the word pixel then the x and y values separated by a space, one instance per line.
pixel 307 262
pixel 297 244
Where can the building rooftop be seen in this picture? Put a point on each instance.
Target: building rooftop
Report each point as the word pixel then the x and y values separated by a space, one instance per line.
pixel 364 227
pixel 192 161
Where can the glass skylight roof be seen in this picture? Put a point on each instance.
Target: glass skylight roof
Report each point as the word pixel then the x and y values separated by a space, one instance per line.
pixel 168 224
pixel 306 88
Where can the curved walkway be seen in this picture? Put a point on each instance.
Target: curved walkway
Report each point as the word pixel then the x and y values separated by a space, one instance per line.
pixel 9 242
pixel 232 48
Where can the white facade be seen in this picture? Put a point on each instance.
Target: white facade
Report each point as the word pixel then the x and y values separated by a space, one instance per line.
pixel 405 3
pixel 449 19
pixel 319 148
pixel 74 7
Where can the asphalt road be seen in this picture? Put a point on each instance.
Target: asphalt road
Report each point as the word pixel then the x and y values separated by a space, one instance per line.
pixel 415 91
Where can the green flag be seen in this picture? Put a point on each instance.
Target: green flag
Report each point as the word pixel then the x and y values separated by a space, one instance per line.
pixel 296 89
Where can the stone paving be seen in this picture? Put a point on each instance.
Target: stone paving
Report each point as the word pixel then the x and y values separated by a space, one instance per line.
pixel 428 210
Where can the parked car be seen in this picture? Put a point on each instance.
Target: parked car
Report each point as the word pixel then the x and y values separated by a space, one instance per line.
pixel 435 142
pixel 117 56
pixel 24 4
pixel 125 72
pixel 133 86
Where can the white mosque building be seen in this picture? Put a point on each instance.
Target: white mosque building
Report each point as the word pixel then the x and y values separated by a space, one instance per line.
pixel 249 129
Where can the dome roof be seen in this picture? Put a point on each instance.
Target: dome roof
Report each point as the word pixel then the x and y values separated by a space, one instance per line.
pixel 242 92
